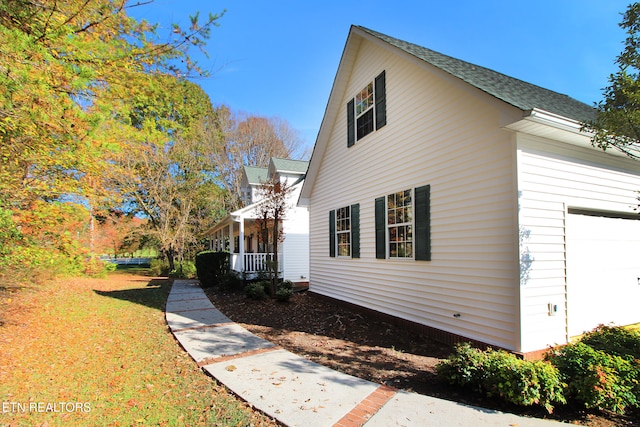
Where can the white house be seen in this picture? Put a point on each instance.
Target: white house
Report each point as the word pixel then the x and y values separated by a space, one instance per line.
pixel 467 203
pixel 238 231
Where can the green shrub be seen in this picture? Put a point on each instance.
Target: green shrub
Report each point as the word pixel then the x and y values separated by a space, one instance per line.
pixel 159 267
pixel 286 284
pixel 614 340
pixel 465 367
pixel 284 291
pixel 211 267
pixel 597 379
pixel 256 290
pixel 232 280
pixel 504 375
pixel 186 270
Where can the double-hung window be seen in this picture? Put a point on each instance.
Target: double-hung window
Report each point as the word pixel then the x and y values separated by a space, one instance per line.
pixel 400 224
pixel 367 111
pixel 344 231
pixel 402 221
pixel 364 111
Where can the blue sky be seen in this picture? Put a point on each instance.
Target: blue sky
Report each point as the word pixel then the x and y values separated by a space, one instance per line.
pixel 279 57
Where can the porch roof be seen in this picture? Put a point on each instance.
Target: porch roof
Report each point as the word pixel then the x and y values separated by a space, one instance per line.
pixel 247 212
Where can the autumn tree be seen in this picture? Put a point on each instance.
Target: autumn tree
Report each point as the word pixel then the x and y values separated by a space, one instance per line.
pixel 251 140
pixel 174 185
pixel 270 212
pixel 75 74
pixel 70 70
pixel 118 232
pixel 617 124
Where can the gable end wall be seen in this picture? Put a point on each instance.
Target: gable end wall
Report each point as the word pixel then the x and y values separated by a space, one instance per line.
pixel 439 135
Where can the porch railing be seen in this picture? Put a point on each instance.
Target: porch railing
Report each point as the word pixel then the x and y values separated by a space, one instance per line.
pixel 254 262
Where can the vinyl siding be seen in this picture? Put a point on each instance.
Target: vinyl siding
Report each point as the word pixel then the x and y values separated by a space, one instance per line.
pixel 295 246
pixel 552 178
pixel 436 134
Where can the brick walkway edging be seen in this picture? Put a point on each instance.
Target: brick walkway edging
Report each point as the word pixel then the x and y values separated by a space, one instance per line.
pixel 359 415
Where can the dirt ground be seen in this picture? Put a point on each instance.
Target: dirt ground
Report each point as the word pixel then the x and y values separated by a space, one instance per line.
pixel 369 348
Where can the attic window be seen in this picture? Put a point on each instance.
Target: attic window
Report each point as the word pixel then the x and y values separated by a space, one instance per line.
pixel 367 111
pixel 364 111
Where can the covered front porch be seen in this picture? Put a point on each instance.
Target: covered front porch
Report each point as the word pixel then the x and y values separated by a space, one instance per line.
pixel 239 235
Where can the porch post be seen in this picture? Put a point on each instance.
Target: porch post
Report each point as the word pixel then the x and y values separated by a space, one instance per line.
pixel 241 245
pixel 232 241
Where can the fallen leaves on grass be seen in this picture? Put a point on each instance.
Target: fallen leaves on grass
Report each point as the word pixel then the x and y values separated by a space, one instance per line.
pixel 104 343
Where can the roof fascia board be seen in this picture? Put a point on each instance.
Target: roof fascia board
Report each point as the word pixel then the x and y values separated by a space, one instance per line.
pixel 538 122
pixel 555 120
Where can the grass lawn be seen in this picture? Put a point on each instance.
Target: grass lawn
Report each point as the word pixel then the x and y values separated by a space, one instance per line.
pixel 98 352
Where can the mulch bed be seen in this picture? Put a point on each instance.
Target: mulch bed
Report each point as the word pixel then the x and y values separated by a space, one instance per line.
pixel 367 347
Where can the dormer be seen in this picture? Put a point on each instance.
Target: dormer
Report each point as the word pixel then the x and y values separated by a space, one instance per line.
pixel 252 178
pixel 290 171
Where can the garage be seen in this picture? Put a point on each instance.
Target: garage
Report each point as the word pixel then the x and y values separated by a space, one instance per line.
pixel 603 269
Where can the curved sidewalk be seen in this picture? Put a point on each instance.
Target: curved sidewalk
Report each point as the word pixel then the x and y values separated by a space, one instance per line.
pixel 298 392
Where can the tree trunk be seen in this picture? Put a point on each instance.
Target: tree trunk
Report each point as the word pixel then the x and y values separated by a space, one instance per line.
pixel 170 259
pixel 274 279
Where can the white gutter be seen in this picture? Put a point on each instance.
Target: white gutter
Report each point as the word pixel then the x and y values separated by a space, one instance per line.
pixel 555 120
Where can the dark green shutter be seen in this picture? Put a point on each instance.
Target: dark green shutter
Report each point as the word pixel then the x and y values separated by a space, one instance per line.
pixel 351 128
pixel 423 223
pixel 355 231
pixel 381 100
pixel 381 252
pixel 332 233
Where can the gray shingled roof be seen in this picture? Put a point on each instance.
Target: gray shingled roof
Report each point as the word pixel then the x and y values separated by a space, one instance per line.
pixel 288 165
pixel 518 93
pixel 256 175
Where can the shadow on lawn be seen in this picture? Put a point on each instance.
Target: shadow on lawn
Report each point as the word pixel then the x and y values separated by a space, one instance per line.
pixel 153 295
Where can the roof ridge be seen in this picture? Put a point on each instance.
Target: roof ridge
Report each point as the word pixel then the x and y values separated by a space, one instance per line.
pixel 514 91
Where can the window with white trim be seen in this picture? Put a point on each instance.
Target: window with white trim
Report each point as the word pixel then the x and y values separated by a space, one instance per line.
pixel 367 110
pixel 343 231
pixel 364 111
pixel 403 224
pixel 400 224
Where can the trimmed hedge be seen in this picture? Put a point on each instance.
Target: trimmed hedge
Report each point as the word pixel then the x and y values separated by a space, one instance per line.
pixel 212 267
pixel 618 341
pixel 601 371
pixel 504 375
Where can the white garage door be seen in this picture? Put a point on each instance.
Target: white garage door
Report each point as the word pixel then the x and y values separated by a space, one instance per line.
pixel 603 271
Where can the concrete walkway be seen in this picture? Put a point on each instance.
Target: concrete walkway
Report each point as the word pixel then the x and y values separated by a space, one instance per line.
pixel 298 392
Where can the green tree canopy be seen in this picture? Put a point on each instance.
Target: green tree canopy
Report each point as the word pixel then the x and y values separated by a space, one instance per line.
pixel 175 185
pixel 83 85
pixel 618 121
pixel 80 78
